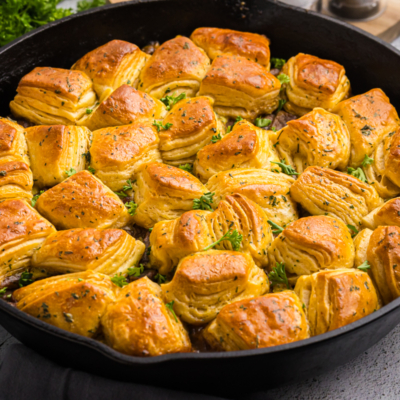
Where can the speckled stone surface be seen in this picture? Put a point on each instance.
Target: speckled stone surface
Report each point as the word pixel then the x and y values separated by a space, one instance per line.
pixel 372 376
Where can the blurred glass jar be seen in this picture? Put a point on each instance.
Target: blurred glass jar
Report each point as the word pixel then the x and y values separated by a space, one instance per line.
pixel 307 4
pixel 357 9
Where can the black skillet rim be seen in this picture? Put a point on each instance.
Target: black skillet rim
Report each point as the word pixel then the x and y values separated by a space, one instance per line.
pixel 125 359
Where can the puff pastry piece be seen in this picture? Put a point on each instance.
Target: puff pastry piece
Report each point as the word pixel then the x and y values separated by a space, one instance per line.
pixel 139 323
pixel 55 151
pixel 177 66
pixel 172 240
pixel 387 214
pixel 194 123
pixel 319 138
pixel 205 282
pixel 112 65
pixel 64 301
pixel 269 320
pixel 361 242
pixel 240 87
pixel 119 153
pixel 12 141
pixel 53 96
pixel 246 146
pixel 312 244
pixel 369 118
pixel 323 191
pixel 384 171
pixel 82 201
pixel 124 106
pixel 16 179
pixel 22 230
pixel 384 258
pixel 216 41
pixel 271 191
pixel 108 251
pixel 163 192
pixel 336 298
pixel 314 83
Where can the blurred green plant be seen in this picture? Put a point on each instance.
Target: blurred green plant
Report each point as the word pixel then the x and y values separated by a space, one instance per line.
pixel 18 17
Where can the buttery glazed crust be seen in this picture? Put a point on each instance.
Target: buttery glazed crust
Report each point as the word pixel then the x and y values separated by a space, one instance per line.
pixel 271 191
pixel 53 96
pixel 177 66
pixel 314 83
pixel 194 123
pixel 82 201
pixel 323 191
pixel 139 323
pixel 124 106
pixel 22 230
pixel 172 240
pixel 311 244
pixel 246 146
pixel 387 214
pixel 64 301
pixel 16 179
pixel 336 298
pixel 207 281
pixel 384 171
pixel 319 138
pixel 12 141
pixel 119 153
pixel 55 150
pixel 112 65
pixel 384 257
pixel 215 42
pixel 109 251
pixel 369 118
pixel 240 87
pixel 164 192
pixel 269 320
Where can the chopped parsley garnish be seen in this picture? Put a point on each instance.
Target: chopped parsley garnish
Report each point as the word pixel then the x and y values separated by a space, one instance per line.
pixel 3 291
pixel 89 111
pixel 70 172
pixel 159 125
pixel 353 229
pixel 364 266
pixel 235 238
pixel 262 122
pixel 286 169
pixel 126 187
pixel 187 167
pixel 91 169
pixel 278 275
pixel 131 206
pixel 170 101
pixel 136 271
pixel 283 78
pixel 367 161
pixel 204 202
pixel 160 278
pixel 357 173
pixel 216 138
pixel 36 197
pixel 25 279
pixel 277 62
pixel 282 102
pixel 276 228
pixel 170 307
pixel 119 280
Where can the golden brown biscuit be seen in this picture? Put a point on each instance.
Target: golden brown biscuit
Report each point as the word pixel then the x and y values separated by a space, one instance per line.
pixel 319 138
pixel 271 191
pixel 12 141
pixel 311 244
pixel 246 146
pixel 64 301
pixel 387 214
pixel 314 83
pixel 112 65
pixel 124 106
pixel 361 242
pixel 240 87
pixel 177 66
pixel 82 201
pixel 16 179
pixel 384 258
pixel 336 298
pixel 323 191
pixel 383 170
pixel 215 42
pixel 369 118
pixel 195 230
pixel 205 282
pixel 163 192
pixel 140 324
pixel 269 320
pixel 193 123
pixel 56 152
pixel 119 153
pixel 53 96
pixel 109 251
pixel 22 230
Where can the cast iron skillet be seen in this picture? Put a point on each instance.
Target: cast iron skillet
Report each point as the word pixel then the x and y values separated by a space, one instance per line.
pixel 369 63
